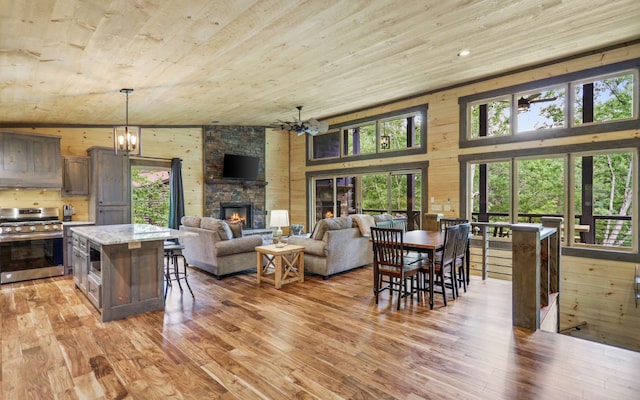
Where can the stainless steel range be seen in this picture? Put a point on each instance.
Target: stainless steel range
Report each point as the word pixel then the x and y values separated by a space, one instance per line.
pixel 30 244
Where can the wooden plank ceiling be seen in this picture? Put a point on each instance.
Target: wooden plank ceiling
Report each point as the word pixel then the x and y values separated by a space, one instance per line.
pixel 250 62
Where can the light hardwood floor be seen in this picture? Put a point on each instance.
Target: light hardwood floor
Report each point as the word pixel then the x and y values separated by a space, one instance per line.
pixel 317 339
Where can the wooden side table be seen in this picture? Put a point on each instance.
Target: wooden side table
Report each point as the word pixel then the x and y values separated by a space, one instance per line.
pixel 283 264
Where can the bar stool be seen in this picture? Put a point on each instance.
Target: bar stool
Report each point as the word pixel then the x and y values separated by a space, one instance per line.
pixel 172 251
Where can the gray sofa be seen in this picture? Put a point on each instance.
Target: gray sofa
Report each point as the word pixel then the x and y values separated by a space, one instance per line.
pixel 337 245
pixel 218 247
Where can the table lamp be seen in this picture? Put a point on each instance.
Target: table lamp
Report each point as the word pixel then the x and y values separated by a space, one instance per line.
pixel 279 218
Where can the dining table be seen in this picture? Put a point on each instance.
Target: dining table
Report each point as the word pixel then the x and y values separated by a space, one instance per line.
pixel 425 242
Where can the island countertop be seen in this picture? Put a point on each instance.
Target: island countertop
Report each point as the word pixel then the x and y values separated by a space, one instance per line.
pixel 126 233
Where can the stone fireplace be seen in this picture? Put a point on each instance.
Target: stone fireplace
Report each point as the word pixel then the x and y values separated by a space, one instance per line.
pixel 248 196
pixel 234 212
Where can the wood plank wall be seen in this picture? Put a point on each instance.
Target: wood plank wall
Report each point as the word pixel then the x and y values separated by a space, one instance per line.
pixel 611 311
pixel 185 143
pixel 600 293
pixel 277 174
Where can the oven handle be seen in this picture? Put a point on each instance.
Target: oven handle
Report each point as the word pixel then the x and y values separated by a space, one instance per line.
pixel 30 236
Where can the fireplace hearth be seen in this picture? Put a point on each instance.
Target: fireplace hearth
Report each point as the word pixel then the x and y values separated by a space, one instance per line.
pixel 234 212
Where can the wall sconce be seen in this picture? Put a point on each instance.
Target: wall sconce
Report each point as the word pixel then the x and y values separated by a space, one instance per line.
pixel 385 142
pixel 126 139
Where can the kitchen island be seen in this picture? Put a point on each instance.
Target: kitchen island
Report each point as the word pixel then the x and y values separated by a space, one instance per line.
pixel 120 268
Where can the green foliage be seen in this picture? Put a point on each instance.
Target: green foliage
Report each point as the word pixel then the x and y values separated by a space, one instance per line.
pixel 498 118
pixel 541 186
pixel 150 199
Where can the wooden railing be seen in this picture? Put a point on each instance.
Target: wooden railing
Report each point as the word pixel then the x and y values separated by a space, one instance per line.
pixel 595 232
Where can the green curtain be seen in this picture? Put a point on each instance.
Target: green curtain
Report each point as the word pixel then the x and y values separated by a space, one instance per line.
pixel 176 192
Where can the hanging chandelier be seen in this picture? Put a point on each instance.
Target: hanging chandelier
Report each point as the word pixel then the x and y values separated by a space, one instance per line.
pixel 126 139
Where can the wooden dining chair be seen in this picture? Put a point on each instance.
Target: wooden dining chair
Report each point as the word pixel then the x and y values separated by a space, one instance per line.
pixel 389 260
pixel 444 222
pixel 443 264
pixel 461 254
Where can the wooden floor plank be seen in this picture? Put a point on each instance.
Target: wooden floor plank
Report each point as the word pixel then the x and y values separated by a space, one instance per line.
pixel 317 339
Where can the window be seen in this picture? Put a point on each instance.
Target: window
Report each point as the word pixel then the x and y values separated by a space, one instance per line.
pixel 400 132
pixel 594 101
pixel 602 193
pixel 397 192
pixel 604 197
pixel 540 190
pixel 604 99
pixel 490 118
pixel 490 196
pixel 541 109
pixel 360 139
pixel 326 145
pixel 150 195
pixel 382 135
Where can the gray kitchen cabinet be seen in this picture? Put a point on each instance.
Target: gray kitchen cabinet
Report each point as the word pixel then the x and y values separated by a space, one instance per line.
pixel 30 161
pixel 110 197
pixel 67 241
pixel 76 170
pixel 80 262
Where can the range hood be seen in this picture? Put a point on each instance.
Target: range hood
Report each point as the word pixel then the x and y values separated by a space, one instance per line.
pixel 30 161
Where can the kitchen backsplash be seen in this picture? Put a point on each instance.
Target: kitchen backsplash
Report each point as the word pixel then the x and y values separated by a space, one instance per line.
pixel 24 198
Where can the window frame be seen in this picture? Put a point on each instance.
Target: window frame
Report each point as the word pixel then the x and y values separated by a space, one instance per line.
pixel 566 109
pixel 570 248
pixel 420 111
pixel 392 169
pixel 591 79
pixel 570 129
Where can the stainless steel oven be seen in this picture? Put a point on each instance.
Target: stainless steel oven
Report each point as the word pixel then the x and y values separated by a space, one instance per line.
pixel 30 244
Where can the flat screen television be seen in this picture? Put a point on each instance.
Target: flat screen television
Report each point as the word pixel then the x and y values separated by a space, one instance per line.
pixel 240 167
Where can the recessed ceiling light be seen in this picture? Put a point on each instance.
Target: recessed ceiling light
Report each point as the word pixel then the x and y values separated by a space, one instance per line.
pixel 463 53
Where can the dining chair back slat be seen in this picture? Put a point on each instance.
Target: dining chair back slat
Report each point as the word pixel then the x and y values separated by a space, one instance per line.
pixel 449 247
pixel 444 222
pixel 462 246
pixel 444 264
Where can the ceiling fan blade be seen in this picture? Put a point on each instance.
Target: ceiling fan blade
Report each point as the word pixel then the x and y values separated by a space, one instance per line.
pixel 543 100
pixel 533 96
pixel 312 126
pixel 322 127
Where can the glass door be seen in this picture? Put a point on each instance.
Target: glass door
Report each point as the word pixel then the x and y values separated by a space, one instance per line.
pixel 398 193
pixel 150 194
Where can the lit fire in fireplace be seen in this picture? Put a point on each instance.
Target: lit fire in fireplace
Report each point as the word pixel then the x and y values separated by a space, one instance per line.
pixel 235 217
pixel 328 214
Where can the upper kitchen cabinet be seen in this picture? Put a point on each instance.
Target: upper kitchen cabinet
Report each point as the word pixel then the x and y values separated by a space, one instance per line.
pixel 110 197
pixel 30 161
pixel 76 176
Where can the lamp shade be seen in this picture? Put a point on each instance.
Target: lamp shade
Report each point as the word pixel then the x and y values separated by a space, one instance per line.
pixel 279 218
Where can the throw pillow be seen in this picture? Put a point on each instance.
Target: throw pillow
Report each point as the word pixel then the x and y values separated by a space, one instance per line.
pixel 334 224
pixel 224 231
pixel 190 221
pixel 330 224
pixel 319 230
pixel 236 228
pixel 364 223
pixel 210 223
pixel 383 217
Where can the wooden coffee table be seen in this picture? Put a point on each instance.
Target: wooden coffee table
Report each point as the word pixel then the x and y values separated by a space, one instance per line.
pixel 283 264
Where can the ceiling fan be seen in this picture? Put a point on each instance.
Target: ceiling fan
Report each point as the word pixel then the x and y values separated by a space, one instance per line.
pixel 524 103
pixel 311 126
